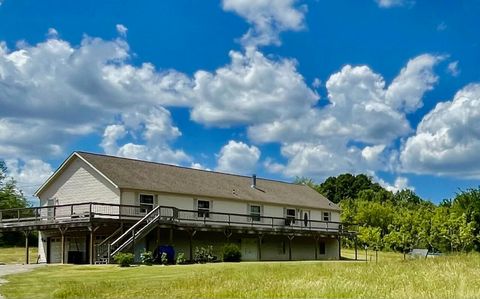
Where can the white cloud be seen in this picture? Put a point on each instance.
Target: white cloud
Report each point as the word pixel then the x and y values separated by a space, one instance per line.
pixel 251 89
pixel 53 92
pixel 122 30
pixel 452 68
pixel 447 140
pixel 406 91
pixel 393 3
pixel 238 157
pixel 401 183
pixel 29 174
pixel 153 131
pixel 268 18
pixel 356 130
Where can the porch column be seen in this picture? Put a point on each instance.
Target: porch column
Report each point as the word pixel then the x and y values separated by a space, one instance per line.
pixel 260 238
pixel 316 238
pixel 157 238
pixel 63 230
pixel 191 234
pixel 91 247
pixel 26 233
pixel 339 247
pixel 290 238
pixel 170 237
pixel 355 242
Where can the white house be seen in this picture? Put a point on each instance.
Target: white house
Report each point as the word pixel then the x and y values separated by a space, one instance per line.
pixel 95 205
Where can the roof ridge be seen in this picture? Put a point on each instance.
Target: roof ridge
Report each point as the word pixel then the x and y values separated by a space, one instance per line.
pixel 185 167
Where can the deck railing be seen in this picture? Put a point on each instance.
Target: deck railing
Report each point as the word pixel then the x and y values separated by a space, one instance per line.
pixel 88 211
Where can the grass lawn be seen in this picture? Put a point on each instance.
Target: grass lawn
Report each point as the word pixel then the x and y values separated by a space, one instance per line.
pixel 16 255
pixel 454 276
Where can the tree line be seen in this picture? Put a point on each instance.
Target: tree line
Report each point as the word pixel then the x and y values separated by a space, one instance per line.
pixel 402 220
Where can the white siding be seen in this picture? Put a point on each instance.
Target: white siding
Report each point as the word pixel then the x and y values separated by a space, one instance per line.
pixel 80 183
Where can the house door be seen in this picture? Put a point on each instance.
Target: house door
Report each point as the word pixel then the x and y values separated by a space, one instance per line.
pixel 249 249
pixel 306 218
pixel 55 250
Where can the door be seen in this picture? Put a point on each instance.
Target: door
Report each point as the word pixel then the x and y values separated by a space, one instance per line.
pixel 55 250
pixel 249 249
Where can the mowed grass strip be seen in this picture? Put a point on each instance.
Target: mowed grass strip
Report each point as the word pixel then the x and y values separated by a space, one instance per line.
pixel 453 276
pixel 16 255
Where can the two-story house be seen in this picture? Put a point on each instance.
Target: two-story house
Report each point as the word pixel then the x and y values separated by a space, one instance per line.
pixel 94 206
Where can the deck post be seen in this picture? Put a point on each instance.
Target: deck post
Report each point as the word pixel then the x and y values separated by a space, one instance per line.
pixel 170 237
pixel 157 239
pixel 91 246
pixel 339 247
pixel 355 242
pixel 191 233
pixel 316 238
pixel 63 230
pixel 290 238
pixel 260 238
pixel 26 232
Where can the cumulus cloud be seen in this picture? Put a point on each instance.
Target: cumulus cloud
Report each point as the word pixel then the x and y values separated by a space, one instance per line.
pixel 251 89
pixel 355 131
pixel 29 174
pixel 152 132
pixel 238 157
pixel 53 92
pixel 401 183
pixel 268 18
pixel 447 140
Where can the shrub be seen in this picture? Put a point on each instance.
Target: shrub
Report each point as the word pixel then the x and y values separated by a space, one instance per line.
pixel 123 259
pixel 203 254
pixel 231 253
pixel 181 258
pixel 146 257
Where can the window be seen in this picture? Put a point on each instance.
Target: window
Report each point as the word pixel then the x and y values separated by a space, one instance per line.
pixel 255 212
pixel 203 207
pixel 146 203
pixel 290 217
pixel 326 216
pixel 321 247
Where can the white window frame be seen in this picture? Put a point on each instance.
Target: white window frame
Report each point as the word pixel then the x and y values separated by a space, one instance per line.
pixel 203 212
pixel 143 206
pixel 326 216
pixel 254 216
pixel 290 218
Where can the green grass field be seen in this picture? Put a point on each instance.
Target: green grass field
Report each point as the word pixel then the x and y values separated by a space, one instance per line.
pixel 16 255
pixel 455 276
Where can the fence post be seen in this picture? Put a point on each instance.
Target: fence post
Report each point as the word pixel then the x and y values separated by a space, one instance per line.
pixel 18 215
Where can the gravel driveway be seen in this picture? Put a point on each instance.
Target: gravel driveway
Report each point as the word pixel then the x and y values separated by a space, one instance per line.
pixel 14 269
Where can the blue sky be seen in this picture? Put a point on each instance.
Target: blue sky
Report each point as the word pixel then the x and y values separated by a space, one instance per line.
pixel 281 88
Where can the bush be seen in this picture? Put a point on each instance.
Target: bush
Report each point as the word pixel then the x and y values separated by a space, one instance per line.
pixel 203 254
pixel 123 259
pixel 231 253
pixel 146 257
pixel 181 258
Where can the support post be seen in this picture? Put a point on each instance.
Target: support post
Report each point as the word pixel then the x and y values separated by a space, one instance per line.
pixel 63 230
pixel 339 247
pixel 157 239
pixel 91 246
pixel 170 237
pixel 26 247
pixel 191 234
pixel 355 242
pixel 290 238
pixel 260 238
pixel 316 238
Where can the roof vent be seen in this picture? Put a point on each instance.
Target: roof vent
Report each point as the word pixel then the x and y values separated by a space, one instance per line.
pixel 254 181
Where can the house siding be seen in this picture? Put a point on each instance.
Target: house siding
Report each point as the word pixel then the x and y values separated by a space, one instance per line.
pixel 80 183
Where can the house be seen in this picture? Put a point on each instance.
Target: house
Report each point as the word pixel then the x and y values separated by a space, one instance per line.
pixel 94 206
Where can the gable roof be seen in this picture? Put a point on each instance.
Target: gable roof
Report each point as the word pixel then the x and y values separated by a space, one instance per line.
pixel 157 177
